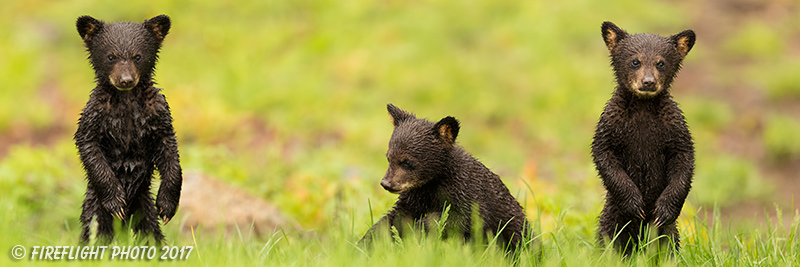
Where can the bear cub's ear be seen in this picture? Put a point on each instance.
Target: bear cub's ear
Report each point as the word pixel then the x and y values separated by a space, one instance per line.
pixel 612 34
pixel 398 115
pixel 159 26
pixel 683 41
pixel 447 129
pixel 88 27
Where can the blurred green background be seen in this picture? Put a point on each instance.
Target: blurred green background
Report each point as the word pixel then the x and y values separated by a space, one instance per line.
pixel 284 101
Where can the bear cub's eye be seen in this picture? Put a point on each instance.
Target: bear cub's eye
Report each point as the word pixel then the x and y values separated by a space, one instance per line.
pixel 405 164
pixel 137 58
pixel 635 63
pixel 111 57
pixel 660 65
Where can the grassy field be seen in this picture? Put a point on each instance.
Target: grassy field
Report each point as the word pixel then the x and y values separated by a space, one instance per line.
pixel 285 101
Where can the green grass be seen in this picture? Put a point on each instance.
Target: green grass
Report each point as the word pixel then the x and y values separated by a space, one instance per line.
pixel 335 245
pixel 286 100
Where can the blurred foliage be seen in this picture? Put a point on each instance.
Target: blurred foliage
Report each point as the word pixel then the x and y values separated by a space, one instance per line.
pixel 756 39
pixel 707 115
pixel 717 181
pixel 45 183
pixel 286 100
pixel 781 137
pixel 782 81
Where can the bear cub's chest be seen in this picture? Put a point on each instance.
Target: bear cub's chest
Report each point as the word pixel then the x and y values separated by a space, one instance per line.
pixel 128 123
pixel 642 134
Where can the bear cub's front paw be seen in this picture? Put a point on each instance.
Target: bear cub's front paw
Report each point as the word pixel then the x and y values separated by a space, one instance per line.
pixel 165 209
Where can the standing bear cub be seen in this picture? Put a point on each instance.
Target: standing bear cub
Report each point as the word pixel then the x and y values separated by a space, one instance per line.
pixel 125 131
pixel 642 147
pixel 430 171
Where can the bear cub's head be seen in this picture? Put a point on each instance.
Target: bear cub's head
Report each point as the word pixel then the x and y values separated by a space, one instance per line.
pixel 123 53
pixel 419 150
pixel 645 64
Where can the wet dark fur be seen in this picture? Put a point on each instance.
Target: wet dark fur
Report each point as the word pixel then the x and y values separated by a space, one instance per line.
pixel 125 134
pixel 429 171
pixel 642 147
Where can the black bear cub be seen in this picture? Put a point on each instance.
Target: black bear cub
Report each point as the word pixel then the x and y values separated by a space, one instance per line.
pixel 430 171
pixel 642 147
pixel 125 131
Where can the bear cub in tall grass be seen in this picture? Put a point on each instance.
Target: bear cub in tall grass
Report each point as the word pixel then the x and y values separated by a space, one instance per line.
pixel 430 171
pixel 642 147
pixel 125 131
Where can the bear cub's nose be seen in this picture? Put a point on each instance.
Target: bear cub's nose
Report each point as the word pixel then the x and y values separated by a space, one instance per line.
pixel 649 83
pixel 386 185
pixel 126 81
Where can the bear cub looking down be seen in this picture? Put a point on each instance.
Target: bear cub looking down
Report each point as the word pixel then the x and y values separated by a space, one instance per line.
pixel 125 131
pixel 642 147
pixel 430 171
